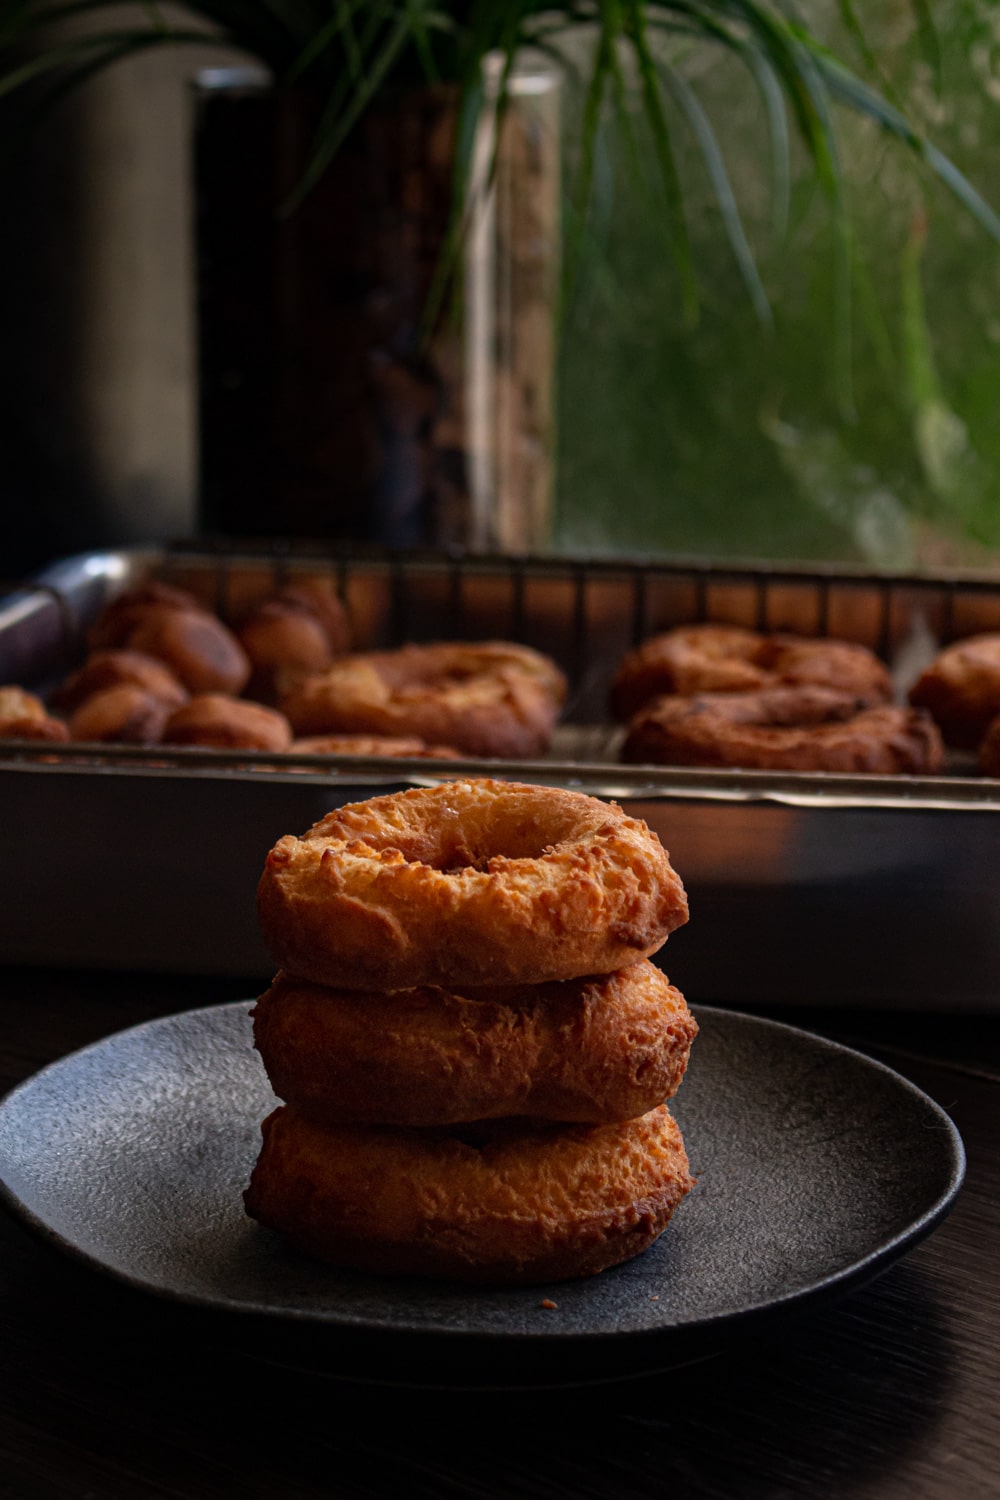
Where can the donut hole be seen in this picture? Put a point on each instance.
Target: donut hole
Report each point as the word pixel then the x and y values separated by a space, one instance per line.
pixel 475 1134
pixel 467 833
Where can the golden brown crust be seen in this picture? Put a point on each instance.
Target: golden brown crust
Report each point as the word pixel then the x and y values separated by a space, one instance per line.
pixel 726 658
pixel 989 750
pixel 784 729
pixel 117 620
pixel 116 667
pixel 489 698
pixel 227 723
pixel 127 714
pixel 201 651
pixel 372 744
pixel 508 1204
pixel 290 635
pixel 323 603
pixel 33 729
pixel 23 716
pixel 469 882
pixel 18 703
pixel 585 1050
pixel 961 689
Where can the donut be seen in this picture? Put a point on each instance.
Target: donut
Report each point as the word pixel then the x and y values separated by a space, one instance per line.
pixel 116 667
pixel 227 723
pixel 127 714
pixel 961 689
pixel 784 729
pixel 118 619
pixel 18 703
pixel 33 729
pixel 372 744
pixel 491 699
pixel 503 1203
pixel 23 716
pixel 989 749
pixel 201 651
pixel 295 633
pixel 468 882
pixel 584 1050
pixel 728 659
pixel 323 603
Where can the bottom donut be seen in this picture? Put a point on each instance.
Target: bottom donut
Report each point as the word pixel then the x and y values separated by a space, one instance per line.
pixel 509 1202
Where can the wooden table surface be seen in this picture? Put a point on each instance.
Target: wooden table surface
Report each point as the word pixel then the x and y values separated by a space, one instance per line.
pixel 894 1391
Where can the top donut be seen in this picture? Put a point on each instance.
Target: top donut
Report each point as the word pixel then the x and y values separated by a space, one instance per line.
pixel 476 882
pixel 728 659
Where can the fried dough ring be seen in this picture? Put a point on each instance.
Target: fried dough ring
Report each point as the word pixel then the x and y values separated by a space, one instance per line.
pixel 961 689
pixel 585 1050
pixel 118 619
pixel 213 719
pixel 23 716
pixel 126 714
pixel 113 668
pixel 287 635
pixel 491 698
pixel 786 729
pixel 30 728
pixel 200 650
pixel 507 1203
pixel 468 882
pixel 989 750
pixel 728 659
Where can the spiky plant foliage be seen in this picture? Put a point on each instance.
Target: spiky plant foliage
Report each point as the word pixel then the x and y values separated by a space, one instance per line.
pixel 348 51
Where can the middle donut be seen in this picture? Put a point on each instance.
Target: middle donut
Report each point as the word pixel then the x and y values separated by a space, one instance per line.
pixel 583 1050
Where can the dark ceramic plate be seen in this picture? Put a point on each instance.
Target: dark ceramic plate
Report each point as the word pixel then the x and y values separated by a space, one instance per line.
pixel 817 1168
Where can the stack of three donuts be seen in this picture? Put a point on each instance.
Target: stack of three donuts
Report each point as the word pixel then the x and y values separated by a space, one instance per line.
pixel 473 1049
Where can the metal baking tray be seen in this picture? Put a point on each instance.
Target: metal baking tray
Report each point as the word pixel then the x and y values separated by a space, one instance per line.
pixel 805 889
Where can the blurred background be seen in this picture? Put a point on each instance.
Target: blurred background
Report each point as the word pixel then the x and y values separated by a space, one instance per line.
pixel 819 416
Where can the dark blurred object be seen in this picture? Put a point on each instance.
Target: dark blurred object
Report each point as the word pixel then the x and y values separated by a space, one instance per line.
pixel 371 369
pixel 324 411
pixel 97 377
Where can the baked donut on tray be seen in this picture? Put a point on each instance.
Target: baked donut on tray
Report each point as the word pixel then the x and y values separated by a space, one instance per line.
pixel 507 1202
pixel 214 719
pixel 126 714
pixel 488 698
pixel 114 668
pixel 961 689
pixel 989 750
pixel 729 659
pixel 295 631
pixel 119 618
pixel 784 729
pixel 199 649
pixel 468 882
pixel 585 1050
pixel 23 716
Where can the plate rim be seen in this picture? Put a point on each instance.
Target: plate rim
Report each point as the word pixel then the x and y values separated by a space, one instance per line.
pixel 858 1272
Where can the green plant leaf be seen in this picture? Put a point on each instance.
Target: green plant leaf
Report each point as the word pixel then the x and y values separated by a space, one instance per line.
pixel 635 27
pixel 853 26
pixel 725 197
pixel 846 87
pixel 930 45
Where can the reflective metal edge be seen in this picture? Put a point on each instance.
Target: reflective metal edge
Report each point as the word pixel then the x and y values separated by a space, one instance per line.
pixel 832 890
